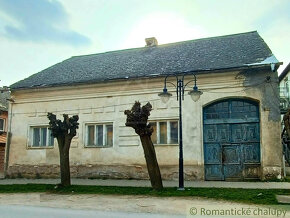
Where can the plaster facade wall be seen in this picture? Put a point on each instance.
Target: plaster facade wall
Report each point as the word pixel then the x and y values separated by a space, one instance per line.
pixel 106 102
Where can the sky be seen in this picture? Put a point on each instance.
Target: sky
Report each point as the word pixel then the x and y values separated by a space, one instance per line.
pixel 36 34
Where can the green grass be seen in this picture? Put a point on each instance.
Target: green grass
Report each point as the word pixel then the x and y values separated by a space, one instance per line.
pixel 251 196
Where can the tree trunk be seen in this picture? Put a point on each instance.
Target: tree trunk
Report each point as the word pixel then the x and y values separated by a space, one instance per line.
pixel 64 162
pixel 151 162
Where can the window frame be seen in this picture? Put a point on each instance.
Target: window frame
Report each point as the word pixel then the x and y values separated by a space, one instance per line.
pixel 31 139
pixel 287 87
pixel 104 124
pixel 168 132
pixel 4 122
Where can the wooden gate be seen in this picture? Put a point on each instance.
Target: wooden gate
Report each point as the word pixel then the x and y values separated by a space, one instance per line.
pixel 231 133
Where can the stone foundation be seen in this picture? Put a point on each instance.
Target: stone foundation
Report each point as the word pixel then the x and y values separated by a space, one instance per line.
pixel 102 172
pixel 272 173
pixel 120 172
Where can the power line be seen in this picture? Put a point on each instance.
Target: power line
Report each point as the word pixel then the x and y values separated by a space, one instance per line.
pixel 252 86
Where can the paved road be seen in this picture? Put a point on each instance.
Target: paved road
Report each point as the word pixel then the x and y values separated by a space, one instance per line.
pixel 15 211
pixel 146 183
pixel 43 205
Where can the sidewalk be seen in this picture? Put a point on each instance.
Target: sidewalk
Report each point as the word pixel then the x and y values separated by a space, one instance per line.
pixel 146 183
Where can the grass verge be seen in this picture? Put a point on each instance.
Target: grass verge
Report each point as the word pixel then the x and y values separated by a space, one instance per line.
pixel 250 196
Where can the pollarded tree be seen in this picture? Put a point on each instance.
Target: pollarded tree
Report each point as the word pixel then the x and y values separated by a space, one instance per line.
pixel 63 131
pixel 137 118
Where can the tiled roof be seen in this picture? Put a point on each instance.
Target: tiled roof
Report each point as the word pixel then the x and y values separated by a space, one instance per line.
pixel 222 52
pixel 3 100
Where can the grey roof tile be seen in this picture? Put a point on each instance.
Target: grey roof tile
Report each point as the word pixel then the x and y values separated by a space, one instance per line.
pixel 214 53
pixel 4 95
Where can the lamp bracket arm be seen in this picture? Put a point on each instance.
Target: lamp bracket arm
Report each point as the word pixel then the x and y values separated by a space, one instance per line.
pixel 165 81
pixel 172 84
pixel 188 83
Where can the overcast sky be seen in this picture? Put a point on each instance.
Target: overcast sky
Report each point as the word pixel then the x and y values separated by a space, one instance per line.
pixel 36 34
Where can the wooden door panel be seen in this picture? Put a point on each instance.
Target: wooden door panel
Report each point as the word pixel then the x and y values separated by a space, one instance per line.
pixel 210 133
pixel 213 154
pixel 214 172
pixel 251 153
pixel 248 132
pixel 231 154
pixel 223 133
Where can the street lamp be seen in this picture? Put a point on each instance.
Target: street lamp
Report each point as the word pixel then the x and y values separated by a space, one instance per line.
pixel 195 95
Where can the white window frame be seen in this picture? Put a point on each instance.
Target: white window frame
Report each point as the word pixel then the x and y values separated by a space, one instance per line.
pixel 3 130
pixel 105 145
pixel 31 136
pixel 168 131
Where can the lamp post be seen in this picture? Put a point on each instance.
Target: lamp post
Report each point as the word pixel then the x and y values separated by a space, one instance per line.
pixel 165 95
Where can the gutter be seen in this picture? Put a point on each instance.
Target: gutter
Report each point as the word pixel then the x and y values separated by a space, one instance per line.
pixel 8 139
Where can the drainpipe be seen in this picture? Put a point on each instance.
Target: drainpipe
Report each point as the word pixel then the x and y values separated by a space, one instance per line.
pixel 284 167
pixel 8 139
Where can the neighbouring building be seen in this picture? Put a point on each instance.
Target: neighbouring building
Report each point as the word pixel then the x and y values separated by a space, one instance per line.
pixel 3 126
pixel 231 133
pixel 284 85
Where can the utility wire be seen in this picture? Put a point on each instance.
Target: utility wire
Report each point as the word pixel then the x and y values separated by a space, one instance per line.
pixel 150 100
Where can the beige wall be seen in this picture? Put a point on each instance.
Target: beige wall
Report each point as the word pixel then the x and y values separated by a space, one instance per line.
pixel 106 102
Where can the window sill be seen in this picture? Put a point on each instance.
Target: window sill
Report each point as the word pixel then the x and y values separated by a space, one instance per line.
pixel 95 146
pixel 37 148
pixel 161 145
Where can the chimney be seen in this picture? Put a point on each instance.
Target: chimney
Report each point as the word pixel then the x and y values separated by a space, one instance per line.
pixel 150 42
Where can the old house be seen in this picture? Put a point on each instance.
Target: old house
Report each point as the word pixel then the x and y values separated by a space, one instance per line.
pixel 231 133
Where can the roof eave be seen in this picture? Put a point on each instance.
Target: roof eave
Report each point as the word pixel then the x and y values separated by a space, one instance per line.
pixel 198 71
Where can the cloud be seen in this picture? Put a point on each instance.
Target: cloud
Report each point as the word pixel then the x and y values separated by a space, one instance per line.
pixel 40 21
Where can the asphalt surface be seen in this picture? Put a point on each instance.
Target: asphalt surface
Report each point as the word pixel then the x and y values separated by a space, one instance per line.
pixel 16 211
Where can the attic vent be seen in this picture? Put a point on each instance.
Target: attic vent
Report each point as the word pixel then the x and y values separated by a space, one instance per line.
pixel 151 42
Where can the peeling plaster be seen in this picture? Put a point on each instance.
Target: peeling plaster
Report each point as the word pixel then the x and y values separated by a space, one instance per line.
pixel 268 88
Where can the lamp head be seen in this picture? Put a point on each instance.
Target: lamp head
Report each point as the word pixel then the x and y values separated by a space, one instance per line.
pixel 195 94
pixel 164 95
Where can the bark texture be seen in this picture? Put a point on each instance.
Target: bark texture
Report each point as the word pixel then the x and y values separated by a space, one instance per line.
pixel 137 118
pixel 64 131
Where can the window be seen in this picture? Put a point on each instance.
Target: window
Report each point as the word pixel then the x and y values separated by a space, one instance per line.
pixel 287 88
pixel 41 137
pixel 2 125
pixel 165 132
pixel 99 135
